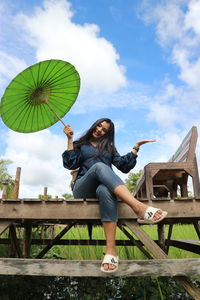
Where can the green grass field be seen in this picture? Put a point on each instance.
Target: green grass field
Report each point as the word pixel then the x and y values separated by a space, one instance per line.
pixel 124 252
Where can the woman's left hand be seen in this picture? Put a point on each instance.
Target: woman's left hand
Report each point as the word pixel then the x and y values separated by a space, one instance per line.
pixel 140 143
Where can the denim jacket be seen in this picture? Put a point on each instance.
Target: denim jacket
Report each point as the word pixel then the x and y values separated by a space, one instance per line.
pixel 86 155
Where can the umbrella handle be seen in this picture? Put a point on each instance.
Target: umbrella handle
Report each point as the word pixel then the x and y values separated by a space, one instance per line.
pixel 55 114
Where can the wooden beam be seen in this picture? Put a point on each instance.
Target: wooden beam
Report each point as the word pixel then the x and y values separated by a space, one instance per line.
pixel 53 242
pixel 3 226
pixel 188 245
pixel 161 235
pixel 197 228
pixel 15 241
pixel 135 242
pixel 27 240
pixel 73 242
pixel 169 237
pixel 91 268
pixel 62 210
pixel 146 240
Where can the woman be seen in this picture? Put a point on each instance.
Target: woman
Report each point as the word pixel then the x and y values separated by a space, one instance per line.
pixel 94 154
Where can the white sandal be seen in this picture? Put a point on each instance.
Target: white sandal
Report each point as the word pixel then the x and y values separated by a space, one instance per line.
pixel 110 259
pixel 149 215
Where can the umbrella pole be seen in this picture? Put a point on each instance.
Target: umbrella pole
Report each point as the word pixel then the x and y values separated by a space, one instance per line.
pixel 55 114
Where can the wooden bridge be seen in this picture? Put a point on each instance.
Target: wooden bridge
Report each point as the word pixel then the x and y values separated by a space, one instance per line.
pixel 158 187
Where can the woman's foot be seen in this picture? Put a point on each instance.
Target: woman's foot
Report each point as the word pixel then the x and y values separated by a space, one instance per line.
pixel 109 263
pixel 151 215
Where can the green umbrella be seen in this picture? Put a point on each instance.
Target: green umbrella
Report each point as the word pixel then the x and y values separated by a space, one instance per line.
pixel 40 95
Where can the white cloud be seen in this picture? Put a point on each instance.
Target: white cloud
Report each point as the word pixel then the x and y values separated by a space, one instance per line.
pixel 53 33
pixel 164 115
pixel 191 75
pixel 178 30
pixel 10 66
pixel 192 20
pixel 39 156
pixel 168 18
pixel 177 26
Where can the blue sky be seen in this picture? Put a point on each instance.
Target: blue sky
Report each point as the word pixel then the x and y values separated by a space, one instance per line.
pixel 139 65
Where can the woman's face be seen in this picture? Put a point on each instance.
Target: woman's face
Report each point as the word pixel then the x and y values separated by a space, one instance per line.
pixel 101 129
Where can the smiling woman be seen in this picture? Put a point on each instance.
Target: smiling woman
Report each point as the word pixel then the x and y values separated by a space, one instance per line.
pixel 94 154
pixel 100 130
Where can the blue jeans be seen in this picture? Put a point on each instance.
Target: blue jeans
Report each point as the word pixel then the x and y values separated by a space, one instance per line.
pixel 99 182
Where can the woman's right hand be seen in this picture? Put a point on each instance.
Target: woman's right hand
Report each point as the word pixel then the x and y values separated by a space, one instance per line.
pixel 68 131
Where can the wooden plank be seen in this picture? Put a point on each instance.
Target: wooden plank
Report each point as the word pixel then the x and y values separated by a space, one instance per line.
pixel 161 199
pixel 11 200
pixel 74 200
pixel 184 198
pixel 55 200
pixel 196 179
pixel 193 143
pixel 156 166
pixel 89 210
pixel 32 200
pixel 91 268
pixel 187 148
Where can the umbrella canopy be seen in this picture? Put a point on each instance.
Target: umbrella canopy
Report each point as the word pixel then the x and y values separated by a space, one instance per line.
pixel 40 95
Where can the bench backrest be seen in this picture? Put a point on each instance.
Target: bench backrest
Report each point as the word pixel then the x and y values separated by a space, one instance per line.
pixel 186 151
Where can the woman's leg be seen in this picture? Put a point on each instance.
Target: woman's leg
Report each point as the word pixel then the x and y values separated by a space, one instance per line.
pixel 138 207
pixel 110 233
pixel 101 173
pixel 89 186
pixel 109 216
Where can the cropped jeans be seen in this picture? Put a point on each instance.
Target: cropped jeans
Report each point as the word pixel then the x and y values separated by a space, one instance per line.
pixel 100 182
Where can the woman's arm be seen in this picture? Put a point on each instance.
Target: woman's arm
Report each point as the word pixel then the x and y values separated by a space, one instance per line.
pixel 69 133
pixel 72 157
pixel 127 162
pixel 140 143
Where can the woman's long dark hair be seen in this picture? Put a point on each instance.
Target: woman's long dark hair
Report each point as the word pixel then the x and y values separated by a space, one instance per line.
pixel 105 142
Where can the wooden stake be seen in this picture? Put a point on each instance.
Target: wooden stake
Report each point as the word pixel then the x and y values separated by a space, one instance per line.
pixel 45 193
pixel 161 235
pixel 5 186
pixel 27 240
pixel 17 181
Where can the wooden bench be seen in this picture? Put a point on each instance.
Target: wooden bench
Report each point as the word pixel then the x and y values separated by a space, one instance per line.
pixel 164 179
